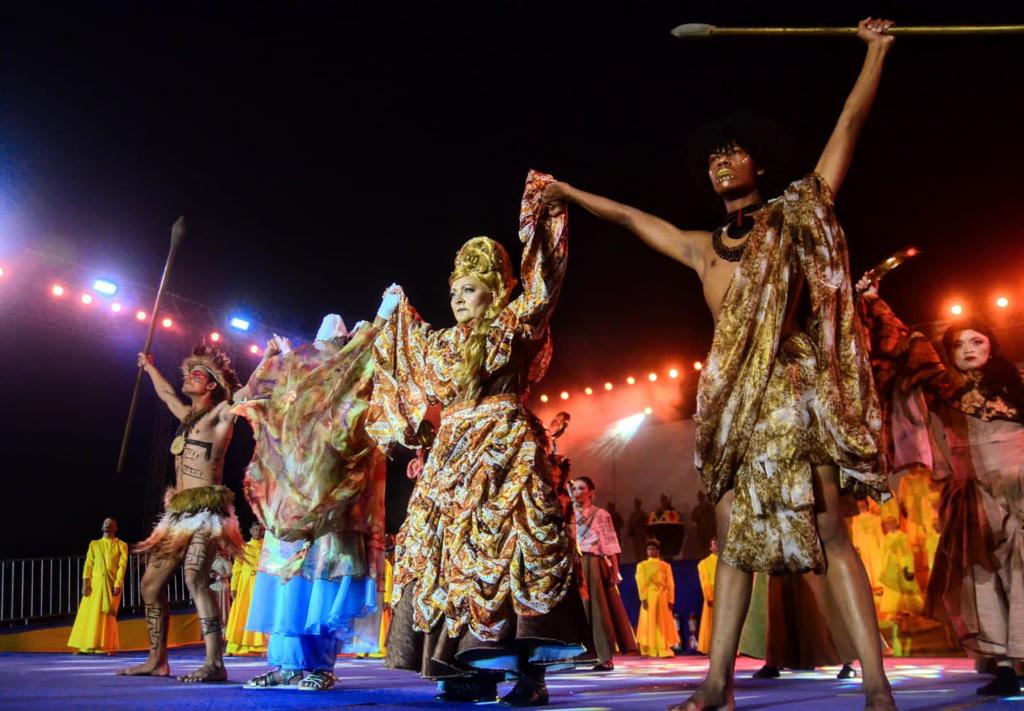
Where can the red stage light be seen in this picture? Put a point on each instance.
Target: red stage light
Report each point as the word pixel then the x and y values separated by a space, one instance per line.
pixel 588 390
pixel 673 373
pixel 648 410
pixel 86 299
pixel 652 377
pixel 630 380
pixel 697 365
pixel 57 290
pixel 608 386
pixel 167 323
pixel 214 336
pixel 956 309
pixel 564 395
pixel 1002 302
pixel 543 398
pixel 140 315
pixel 116 307
pixel 254 349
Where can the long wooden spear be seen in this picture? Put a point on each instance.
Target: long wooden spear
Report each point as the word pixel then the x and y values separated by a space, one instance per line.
pixel 697 30
pixel 178 231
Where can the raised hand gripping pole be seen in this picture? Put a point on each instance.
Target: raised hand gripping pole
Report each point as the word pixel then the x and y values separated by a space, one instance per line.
pixel 178 231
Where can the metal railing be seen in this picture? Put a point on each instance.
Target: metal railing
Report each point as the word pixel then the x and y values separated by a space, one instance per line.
pixel 46 590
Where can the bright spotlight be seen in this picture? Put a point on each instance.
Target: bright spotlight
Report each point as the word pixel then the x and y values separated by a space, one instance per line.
pixel 956 309
pixel 648 410
pixel 116 307
pixel 652 377
pixel 215 337
pixel 588 390
pixel 239 323
pixel 86 299
pixel 543 398
pixel 564 395
pixel 57 290
pixel 608 386
pixel 167 323
pixel 1002 302
pixel 2 271
pixel 697 365
pixel 254 349
pixel 625 428
pixel 631 380
pixel 673 373
pixel 140 315
pixel 102 286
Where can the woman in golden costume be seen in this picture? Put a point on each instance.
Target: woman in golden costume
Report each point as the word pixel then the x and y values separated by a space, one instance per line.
pixel 484 582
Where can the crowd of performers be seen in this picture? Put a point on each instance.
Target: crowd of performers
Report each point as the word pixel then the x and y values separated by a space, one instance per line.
pixel 489 583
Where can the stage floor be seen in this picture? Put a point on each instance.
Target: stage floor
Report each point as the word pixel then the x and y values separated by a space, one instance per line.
pixel 62 682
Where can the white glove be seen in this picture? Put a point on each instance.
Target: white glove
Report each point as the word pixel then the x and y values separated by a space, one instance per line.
pixel 332 325
pixel 392 295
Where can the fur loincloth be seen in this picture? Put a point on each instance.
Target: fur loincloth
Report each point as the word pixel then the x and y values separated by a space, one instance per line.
pixel 206 509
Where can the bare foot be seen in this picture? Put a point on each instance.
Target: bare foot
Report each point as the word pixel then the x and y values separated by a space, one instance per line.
pixel 880 701
pixel 149 667
pixel 206 673
pixel 706 699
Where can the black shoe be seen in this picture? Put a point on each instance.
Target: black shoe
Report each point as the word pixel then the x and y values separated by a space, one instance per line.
pixel 767 672
pixel 604 666
pixel 527 692
pixel 847 672
pixel 467 690
pixel 1006 683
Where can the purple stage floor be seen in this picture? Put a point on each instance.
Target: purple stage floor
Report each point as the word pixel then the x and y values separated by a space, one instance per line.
pixel 62 682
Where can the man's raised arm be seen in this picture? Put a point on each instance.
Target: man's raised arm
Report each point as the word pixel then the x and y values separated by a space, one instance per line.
pixel 164 390
pixel 835 159
pixel 681 245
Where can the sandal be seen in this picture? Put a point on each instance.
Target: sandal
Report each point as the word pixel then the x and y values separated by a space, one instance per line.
pixel 273 679
pixel 317 681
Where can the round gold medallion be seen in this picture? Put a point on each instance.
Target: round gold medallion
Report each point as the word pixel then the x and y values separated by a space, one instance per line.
pixel 178 445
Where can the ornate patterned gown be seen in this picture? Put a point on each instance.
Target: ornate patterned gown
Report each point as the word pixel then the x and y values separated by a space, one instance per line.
pixel 484 567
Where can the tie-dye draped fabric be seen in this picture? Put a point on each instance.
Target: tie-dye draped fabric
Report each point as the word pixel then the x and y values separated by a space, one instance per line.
pixel 314 470
pixel 775 398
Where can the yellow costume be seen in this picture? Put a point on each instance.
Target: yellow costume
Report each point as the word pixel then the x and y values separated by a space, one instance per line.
pixel 706 572
pixel 777 395
pixel 901 595
pixel 867 537
pixel 243 577
pixel 95 627
pixel 656 632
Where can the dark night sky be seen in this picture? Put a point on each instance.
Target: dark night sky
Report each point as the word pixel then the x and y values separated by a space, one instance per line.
pixel 324 150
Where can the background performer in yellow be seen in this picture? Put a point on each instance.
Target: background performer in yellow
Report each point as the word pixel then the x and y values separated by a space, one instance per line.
pixel 656 632
pixel 243 576
pixel 95 627
pixel 706 572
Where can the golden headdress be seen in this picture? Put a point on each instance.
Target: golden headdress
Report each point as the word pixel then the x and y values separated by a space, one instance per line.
pixel 486 260
pixel 217 363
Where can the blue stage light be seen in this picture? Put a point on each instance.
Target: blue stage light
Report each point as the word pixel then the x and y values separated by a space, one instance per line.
pixel 102 286
pixel 240 323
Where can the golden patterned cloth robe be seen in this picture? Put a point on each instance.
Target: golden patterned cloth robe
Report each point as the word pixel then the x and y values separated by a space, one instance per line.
pixel 315 475
pixel 243 578
pixel 656 631
pixel 706 572
pixel 484 561
pixel 95 626
pixel 779 393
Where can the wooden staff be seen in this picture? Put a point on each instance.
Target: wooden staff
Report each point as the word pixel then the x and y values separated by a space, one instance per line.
pixel 697 30
pixel 178 231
